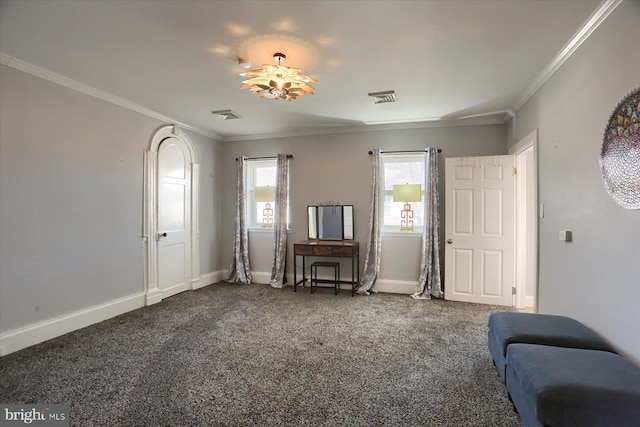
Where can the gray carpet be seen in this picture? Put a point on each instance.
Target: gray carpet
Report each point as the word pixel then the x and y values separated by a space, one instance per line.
pixel 229 355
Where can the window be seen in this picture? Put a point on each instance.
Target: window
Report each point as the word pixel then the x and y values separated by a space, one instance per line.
pixel 260 173
pixel 399 169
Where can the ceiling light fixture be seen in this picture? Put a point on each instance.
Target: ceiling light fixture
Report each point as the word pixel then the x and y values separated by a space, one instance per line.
pixel 277 81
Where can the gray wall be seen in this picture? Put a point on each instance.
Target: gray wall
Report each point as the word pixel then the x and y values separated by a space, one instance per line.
pixel 209 153
pixel 71 175
pixel 338 167
pixel 596 277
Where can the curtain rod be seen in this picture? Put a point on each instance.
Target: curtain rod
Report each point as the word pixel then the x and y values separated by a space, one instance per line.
pixel 289 156
pixel 406 151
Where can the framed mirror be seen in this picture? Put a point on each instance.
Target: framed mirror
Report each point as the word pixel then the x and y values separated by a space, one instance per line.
pixel 347 225
pixel 331 222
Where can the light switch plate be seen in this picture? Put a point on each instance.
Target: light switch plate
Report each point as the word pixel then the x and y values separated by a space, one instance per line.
pixel 565 235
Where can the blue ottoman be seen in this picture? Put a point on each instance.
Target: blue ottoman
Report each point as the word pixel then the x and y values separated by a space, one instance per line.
pixel 562 387
pixel 507 328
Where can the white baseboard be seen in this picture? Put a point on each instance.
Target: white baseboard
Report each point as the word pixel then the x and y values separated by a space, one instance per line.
pixel 261 277
pixel 153 297
pixel 395 286
pixel 529 301
pixel 25 337
pixel 208 279
pixel 382 285
pixel 264 278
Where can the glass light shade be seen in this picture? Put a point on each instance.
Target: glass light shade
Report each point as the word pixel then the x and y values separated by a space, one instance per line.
pixel 264 194
pixel 407 193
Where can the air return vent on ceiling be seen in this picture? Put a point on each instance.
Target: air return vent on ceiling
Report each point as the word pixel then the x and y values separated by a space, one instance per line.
pixel 383 97
pixel 226 114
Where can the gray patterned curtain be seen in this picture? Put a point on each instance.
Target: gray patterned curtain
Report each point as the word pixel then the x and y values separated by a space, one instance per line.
pixel 239 270
pixel 278 279
pixel 430 281
pixel 372 257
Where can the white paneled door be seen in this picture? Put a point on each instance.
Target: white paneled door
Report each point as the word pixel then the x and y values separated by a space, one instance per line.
pixel 479 229
pixel 174 216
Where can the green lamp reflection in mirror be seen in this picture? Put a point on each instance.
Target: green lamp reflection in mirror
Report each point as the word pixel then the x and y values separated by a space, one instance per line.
pixel 406 194
pixel 267 195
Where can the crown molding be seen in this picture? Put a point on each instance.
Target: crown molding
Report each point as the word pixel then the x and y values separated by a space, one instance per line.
pixel 366 128
pixel 34 70
pixel 506 114
pixel 593 22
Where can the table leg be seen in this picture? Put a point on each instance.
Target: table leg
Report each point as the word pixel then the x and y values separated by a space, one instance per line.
pixel 353 283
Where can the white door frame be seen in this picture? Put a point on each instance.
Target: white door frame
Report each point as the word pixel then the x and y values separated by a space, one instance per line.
pixel 531 237
pixel 150 217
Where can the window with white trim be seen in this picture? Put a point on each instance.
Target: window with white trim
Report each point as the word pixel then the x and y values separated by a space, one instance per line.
pixel 400 169
pixel 261 173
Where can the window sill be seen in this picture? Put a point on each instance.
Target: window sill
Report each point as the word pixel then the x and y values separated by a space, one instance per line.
pixel 404 234
pixel 262 230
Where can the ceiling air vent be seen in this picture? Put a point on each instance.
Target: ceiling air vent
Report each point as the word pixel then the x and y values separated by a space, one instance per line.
pixel 226 114
pixel 383 97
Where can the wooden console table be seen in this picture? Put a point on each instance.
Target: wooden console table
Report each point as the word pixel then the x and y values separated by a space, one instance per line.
pixel 327 248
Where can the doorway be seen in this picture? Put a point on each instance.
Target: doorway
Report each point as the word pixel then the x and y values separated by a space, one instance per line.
pixel 174 217
pixel 525 153
pixel 491 227
pixel 170 223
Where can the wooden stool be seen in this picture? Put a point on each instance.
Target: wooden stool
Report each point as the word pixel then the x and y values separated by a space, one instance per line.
pixel 336 275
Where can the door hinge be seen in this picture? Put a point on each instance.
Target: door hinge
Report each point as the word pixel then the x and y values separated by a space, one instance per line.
pixel 513 290
pixel 514 171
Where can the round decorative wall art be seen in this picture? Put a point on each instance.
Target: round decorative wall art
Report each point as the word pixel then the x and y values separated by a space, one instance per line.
pixel 620 154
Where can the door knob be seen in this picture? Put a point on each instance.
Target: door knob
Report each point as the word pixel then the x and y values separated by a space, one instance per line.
pixel 449 241
pixel 162 235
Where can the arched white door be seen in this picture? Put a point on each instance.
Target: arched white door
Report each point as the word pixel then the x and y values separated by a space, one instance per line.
pixel 170 224
pixel 174 217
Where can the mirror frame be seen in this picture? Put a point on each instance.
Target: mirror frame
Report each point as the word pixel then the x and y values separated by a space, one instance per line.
pixel 313 228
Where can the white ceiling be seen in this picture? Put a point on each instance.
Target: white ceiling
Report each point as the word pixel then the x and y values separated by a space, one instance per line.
pixel 446 60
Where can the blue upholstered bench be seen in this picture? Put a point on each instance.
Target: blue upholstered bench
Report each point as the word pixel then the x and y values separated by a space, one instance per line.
pixel 507 328
pixel 563 387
